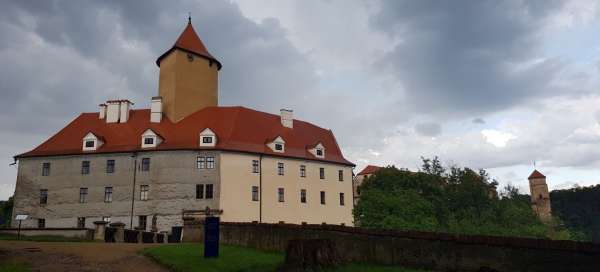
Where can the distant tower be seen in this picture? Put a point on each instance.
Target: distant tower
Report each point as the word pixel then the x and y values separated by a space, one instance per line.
pixel 189 76
pixel 540 197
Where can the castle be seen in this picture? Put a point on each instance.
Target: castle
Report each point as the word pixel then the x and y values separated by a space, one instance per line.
pixel 540 197
pixel 146 167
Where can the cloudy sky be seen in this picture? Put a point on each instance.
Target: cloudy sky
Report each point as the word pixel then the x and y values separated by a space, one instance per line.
pixel 484 84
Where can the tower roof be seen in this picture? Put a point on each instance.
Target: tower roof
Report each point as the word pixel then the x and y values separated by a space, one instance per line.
pixel 369 169
pixel 536 174
pixel 189 42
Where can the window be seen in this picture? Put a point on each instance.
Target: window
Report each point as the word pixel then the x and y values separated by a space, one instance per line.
pixel 108 191
pixel 209 191
pixel 210 162
pixel 323 197
pixel 302 171
pixel 83 194
pixel 46 169
pixel 200 162
pixel 319 152
pixel 106 219
pixel 142 219
pixel 322 173
pixel 302 196
pixel 89 144
pixel 144 192
pixel 148 141
pixel 145 164
pixel 199 191
pixel 43 196
pixel 280 168
pixel 85 167
pixel 110 166
pixel 207 140
pixel 254 193
pixel 341 199
pixel 280 194
pixel 279 147
pixel 81 222
pixel 254 166
pixel 341 175
pixel 41 223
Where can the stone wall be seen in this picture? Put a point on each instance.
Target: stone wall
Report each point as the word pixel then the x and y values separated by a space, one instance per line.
pixel 85 234
pixel 427 250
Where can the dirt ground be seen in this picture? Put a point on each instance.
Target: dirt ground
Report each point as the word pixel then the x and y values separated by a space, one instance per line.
pixel 57 256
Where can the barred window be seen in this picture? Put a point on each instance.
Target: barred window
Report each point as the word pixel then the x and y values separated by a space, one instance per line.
pixel 254 166
pixel 46 169
pixel 110 166
pixel 145 164
pixel 200 162
pixel 210 162
pixel 302 171
pixel 254 193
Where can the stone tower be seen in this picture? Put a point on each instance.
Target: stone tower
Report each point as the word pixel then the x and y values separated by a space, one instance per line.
pixel 189 76
pixel 540 197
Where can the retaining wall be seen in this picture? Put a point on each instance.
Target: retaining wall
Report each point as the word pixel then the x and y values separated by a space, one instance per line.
pixel 427 250
pixel 85 234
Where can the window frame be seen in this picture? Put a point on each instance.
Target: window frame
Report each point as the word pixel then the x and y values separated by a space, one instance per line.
pixel 255 194
pixel 145 225
pixel 199 191
pixel 81 222
pixel 86 144
pixel 145 165
pixel 207 139
pixel 148 140
pixel 210 162
pixel 319 152
pixel 342 200
pixel 340 175
pixel 280 195
pixel 200 162
pixel 278 147
pixel 280 169
pixel 41 223
pixel 108 194
pixel 209 193
pixel 302 171
pixel 144 191
pixel 323 200
pixel 83 192
pixel 303 196
pixel 46 169
pixel 322 172
pixel 43 196
pixel 255 166
pixel 85 167
pixel 110 166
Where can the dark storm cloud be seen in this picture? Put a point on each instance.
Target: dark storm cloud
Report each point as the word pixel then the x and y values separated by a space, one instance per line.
pixel 457 58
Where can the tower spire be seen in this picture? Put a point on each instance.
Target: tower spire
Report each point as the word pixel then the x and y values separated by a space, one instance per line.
pixel 189 17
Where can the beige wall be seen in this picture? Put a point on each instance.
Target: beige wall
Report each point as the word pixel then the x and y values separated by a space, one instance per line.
pixel 541 206
pixel 237 180
pixel 185 86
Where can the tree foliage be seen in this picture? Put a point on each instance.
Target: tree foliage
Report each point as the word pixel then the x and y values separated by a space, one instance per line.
pixel 579 209
pixel 455 200
pixel 6 212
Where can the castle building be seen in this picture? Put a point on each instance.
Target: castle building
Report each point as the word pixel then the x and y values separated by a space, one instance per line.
pixel 540 197
pixel 148 166
pixel 360 177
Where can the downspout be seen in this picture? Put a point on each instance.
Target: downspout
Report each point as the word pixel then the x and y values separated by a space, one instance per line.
pixel 260 189
pixel 133 189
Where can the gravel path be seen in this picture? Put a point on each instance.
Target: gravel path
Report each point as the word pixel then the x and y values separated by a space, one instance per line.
pixel 56 256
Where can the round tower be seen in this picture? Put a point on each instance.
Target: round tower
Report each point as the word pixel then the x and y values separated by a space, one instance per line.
pixel 540 197
pixel 189 76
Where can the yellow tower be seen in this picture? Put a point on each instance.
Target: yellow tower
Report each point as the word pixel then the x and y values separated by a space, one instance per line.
pixel 540 197
pixel 189 76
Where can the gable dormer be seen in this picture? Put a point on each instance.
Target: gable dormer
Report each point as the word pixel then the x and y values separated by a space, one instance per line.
pixel 318 150
pixel 208 138
pixel 277 145
pixel 91 142
pixel 150 139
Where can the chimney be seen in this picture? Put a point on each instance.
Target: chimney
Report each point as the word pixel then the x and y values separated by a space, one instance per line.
pixel 102 113
pixel 156 109
pixel 124 115
pixel 113 109
pixel 287 118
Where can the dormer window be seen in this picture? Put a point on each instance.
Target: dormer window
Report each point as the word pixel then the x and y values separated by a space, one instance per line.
pixel 208 138
pixel 150 139
pixel 318 150
pixel 91 142
pixel 277 145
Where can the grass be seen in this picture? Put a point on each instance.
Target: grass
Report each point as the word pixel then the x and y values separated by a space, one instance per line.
pixel 39 238
pixel 189 257
pixel 13 267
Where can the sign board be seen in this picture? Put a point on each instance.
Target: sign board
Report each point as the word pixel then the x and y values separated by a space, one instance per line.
pixel 211 237
pixel 21 216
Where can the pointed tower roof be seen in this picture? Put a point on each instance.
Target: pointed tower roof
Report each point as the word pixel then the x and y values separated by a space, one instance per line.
pixel 536 174
pixel 189 42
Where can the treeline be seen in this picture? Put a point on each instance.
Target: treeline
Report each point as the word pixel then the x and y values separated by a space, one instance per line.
pixel 455 200
pixel 579 209
pixel 6 212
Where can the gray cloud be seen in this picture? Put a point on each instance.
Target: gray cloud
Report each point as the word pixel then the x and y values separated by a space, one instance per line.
pixel 478 121
pixel 428 129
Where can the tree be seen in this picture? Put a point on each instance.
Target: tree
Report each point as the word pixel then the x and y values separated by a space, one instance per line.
pixel 6 212
pixel 579 210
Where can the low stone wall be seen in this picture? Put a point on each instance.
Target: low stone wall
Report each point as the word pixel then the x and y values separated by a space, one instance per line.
pixel 427 250
pixel 86 234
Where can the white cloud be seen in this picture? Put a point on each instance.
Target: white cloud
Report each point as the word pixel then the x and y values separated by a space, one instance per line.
pixel 497 138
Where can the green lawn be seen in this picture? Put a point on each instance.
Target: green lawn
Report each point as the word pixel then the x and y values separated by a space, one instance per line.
pixel 188 257
pixel 13 267
pixel 39 238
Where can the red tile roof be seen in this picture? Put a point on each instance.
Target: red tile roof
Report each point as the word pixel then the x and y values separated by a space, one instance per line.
pixel 237 129
pixel 370 169
pixel 536 174
pixel 190 42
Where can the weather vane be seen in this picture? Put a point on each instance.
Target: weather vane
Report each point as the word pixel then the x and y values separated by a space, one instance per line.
pixel 189 17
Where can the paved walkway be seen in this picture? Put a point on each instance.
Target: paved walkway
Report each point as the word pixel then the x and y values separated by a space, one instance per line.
pixel 58 256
